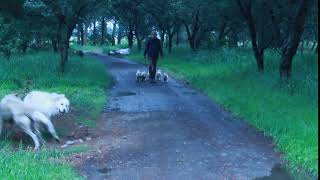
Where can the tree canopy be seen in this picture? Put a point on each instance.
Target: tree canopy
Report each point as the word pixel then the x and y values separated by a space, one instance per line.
pixel 267 24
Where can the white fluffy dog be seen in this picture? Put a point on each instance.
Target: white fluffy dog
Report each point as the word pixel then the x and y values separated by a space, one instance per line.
pixel 138 76
pixel 144 76
pixel 11 107
pixel 165 77
pixel 158 75
pixel 48 104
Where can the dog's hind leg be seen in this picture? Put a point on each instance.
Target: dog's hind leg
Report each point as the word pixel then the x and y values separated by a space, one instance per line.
pixel 25 123
pixel 40 117
pixel 36 127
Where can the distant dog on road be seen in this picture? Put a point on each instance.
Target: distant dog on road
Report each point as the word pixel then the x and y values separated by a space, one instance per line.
pixel 144 76
pixel 138 76
pixel 165 77
pixel 48 104
pixel 159 75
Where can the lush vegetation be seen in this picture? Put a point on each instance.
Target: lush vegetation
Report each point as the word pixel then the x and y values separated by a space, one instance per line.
pixel 256 58
pixel 84 83
pixel 287 112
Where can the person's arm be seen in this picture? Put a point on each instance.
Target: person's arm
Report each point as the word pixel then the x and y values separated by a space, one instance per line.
pixel 146 49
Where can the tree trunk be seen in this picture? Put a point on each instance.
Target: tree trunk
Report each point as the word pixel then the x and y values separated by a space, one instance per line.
pixel 191 38
pixel 65 30
pixel 222 34
pixel 139 41
pixel 259 56
pixel 178 35
pixel 85 33
pixel 63 56
pixel 119 36
pixel 94 33
pixel 54 45
pixel 103 30
pixel 291 44
pixel 301 47
pixel 113 35
pixel 233 39
pixel 78 34
pixel 130 36
pixel 170 37
pixel 258 51
pixel 162 34
pixel 24 46
pixel 82 34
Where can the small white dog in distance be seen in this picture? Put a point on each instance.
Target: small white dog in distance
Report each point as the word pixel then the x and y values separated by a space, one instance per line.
pixel 12 107
pixel 165 77
pixel 158 75
pixel 138 75
pixel 48 104
pixel 144 76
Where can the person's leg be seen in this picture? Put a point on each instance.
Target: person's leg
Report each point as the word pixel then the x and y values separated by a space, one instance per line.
pixel 154 68
pixel 150 68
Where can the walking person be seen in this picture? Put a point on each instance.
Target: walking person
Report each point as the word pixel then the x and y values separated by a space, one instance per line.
pixel 152 50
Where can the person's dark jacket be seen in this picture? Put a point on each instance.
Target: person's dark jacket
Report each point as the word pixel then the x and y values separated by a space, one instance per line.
pixel 153 48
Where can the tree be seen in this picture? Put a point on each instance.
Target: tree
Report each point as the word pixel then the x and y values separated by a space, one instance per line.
pixel 67 14
pixel 291 43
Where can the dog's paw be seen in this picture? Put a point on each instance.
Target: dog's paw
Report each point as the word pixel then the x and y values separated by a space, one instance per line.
pixel 58 139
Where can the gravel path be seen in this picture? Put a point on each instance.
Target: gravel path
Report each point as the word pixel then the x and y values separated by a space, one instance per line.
pixel 171 131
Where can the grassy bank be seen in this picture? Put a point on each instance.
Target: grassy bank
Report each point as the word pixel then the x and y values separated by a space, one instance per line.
pixel 84 83
pixel 288 113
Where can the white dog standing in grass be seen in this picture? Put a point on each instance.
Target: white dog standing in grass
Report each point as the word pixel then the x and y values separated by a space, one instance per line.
pixel 48 104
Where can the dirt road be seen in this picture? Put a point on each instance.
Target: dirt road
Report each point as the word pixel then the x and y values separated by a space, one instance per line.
pixel 171 131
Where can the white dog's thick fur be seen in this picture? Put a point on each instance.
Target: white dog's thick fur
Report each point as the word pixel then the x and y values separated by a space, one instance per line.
pixel 11 107
pixel 48 104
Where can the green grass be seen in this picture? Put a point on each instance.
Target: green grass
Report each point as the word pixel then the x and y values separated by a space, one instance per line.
pixel 288 113
pixel 84 83
pixel 28 165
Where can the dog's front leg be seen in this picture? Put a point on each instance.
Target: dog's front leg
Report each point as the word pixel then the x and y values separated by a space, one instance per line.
pixel 36 128
pixel 39 117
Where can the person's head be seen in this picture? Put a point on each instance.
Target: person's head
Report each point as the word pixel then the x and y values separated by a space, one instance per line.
pixel 154 34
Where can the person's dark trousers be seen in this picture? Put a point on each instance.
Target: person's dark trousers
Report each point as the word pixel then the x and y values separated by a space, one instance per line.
pixel 152 67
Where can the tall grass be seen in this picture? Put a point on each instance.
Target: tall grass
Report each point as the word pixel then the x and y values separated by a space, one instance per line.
pixel 286 112
pixel 47 164
pixel 84 83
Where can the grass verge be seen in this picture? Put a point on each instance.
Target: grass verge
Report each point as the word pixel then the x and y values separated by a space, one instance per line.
pixel 84 83
pixel 286 112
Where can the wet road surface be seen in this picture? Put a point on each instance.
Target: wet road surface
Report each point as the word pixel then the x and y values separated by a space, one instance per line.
pixel 170 131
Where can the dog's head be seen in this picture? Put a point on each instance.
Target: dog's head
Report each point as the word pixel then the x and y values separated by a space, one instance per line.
pixel 62 103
